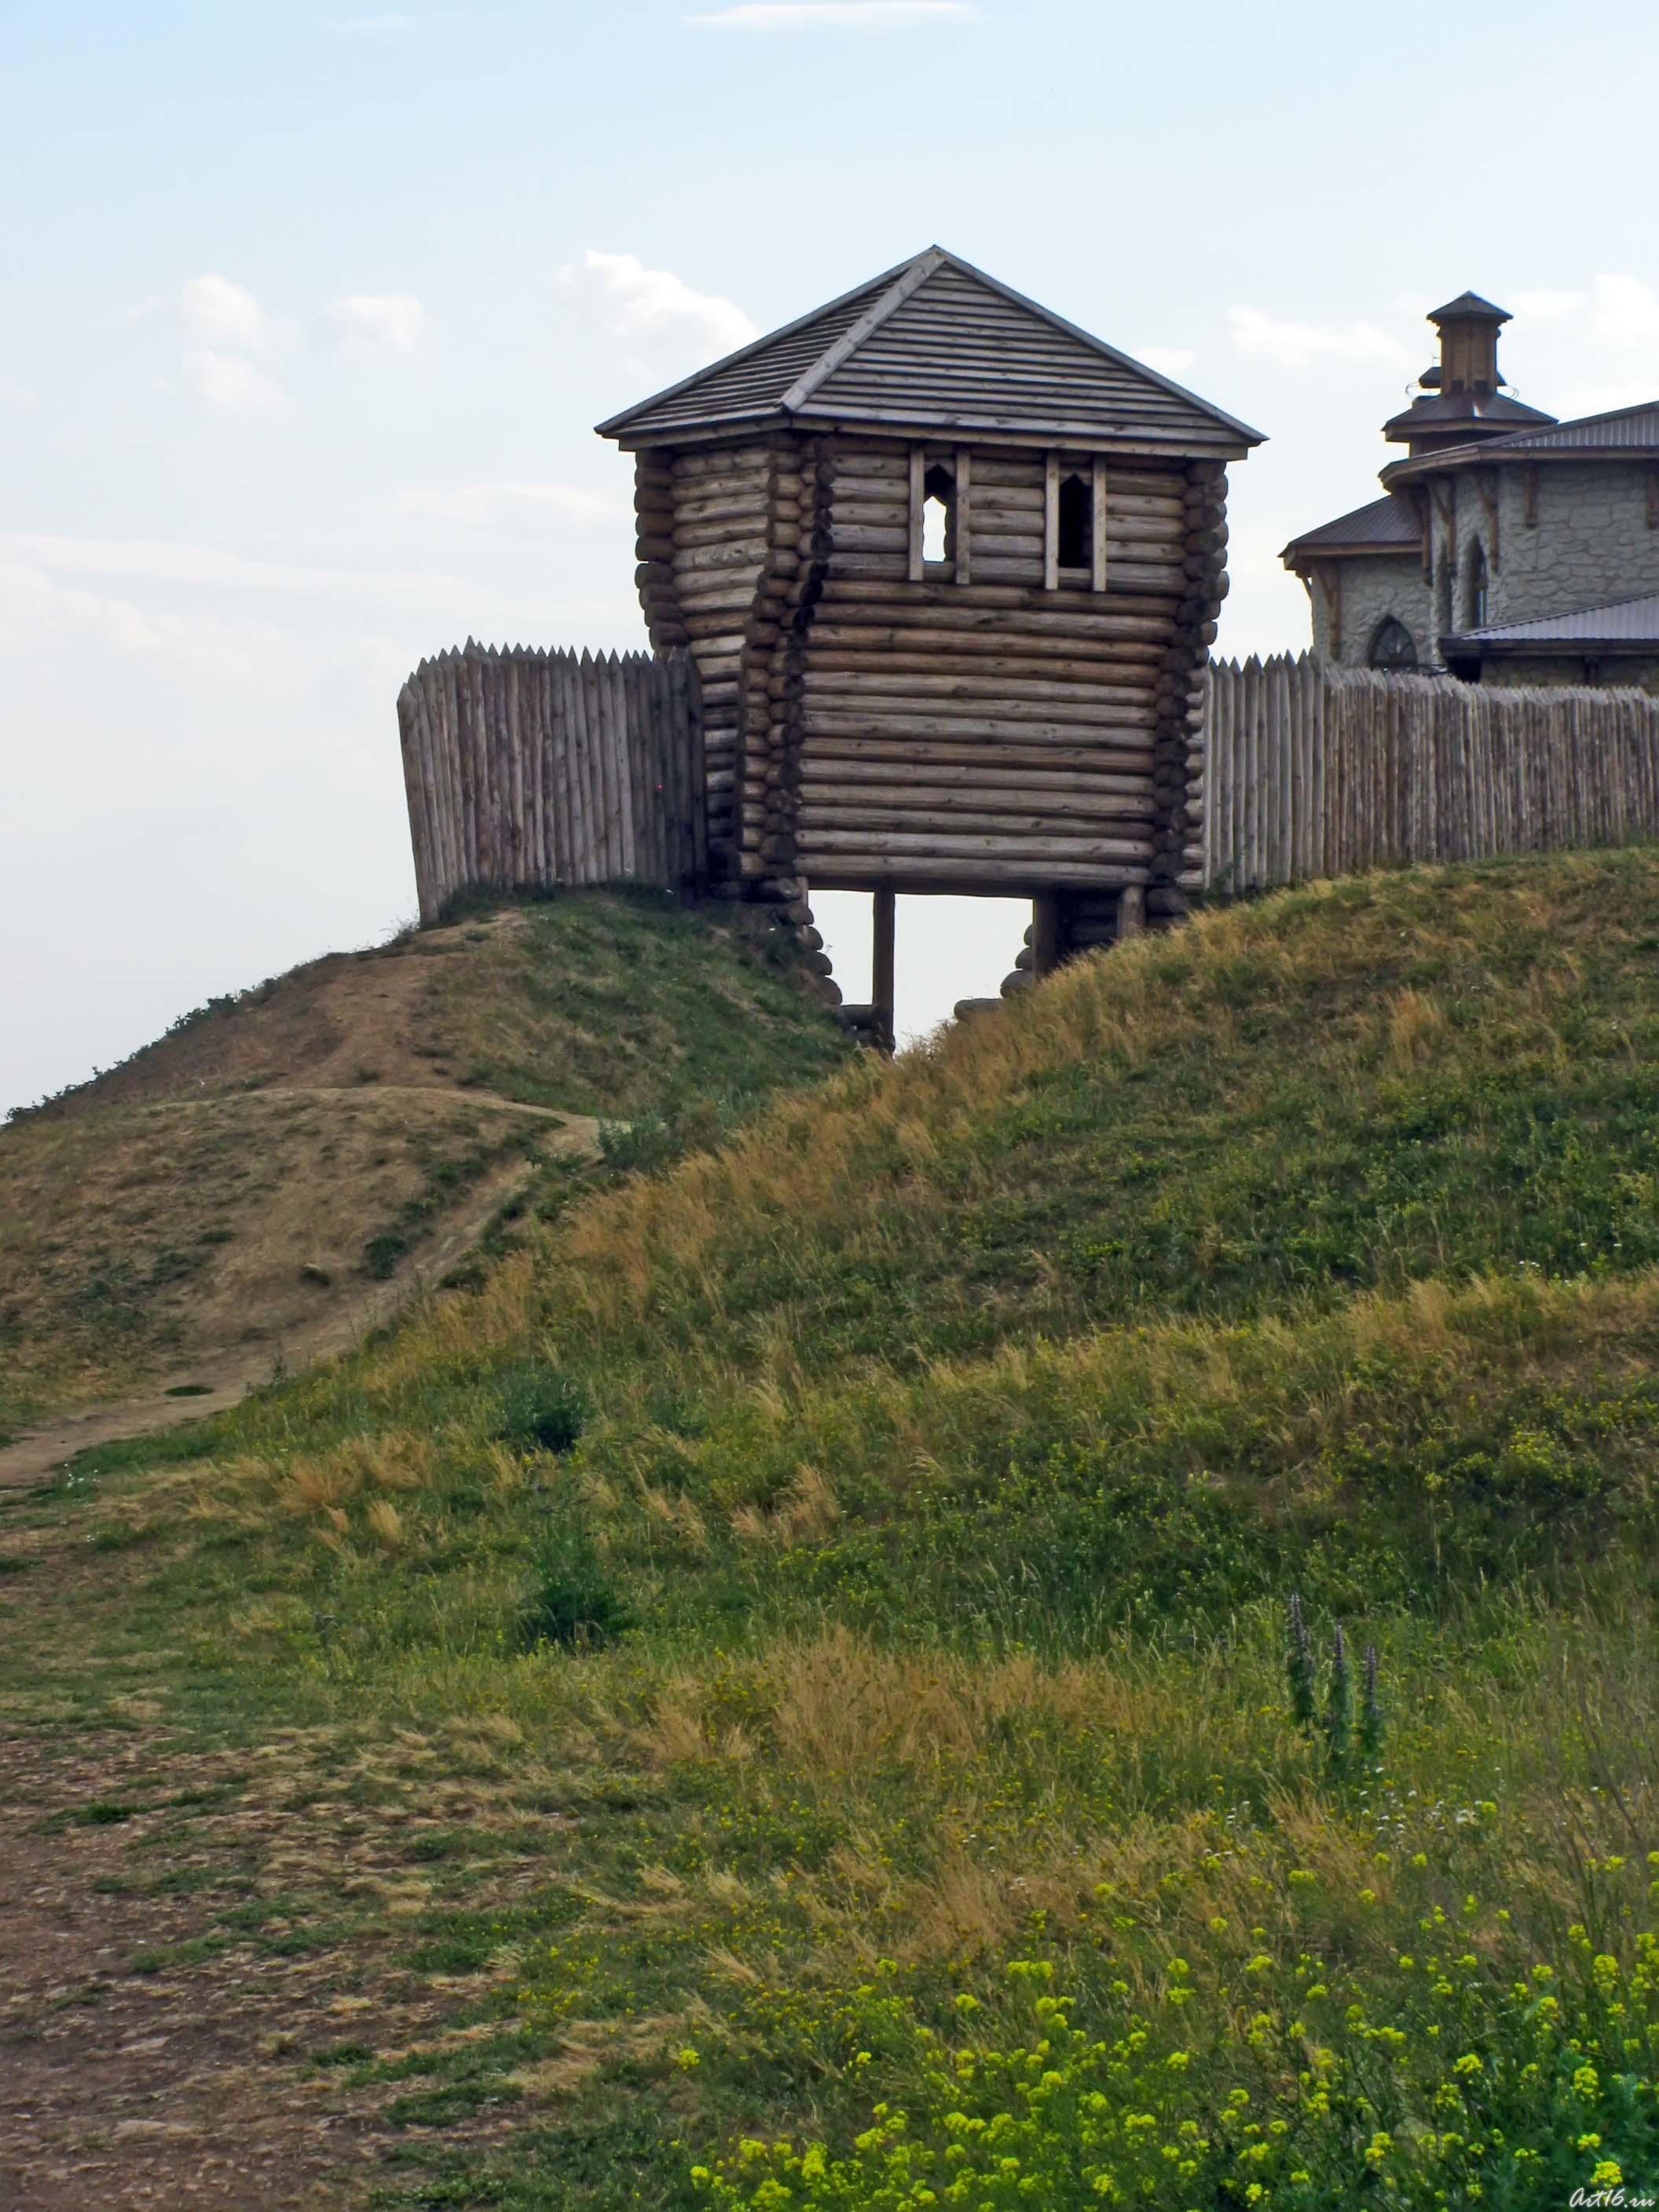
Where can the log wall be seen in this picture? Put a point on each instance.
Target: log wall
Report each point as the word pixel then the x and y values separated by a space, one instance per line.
pixel 528 769
pixel 987 721
pixel 703 522
pixel 1314 770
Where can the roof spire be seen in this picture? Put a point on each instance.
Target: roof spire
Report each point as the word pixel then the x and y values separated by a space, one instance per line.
pixel 1466 401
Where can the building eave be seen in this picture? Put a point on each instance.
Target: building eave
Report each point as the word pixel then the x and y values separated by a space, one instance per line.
pixel 1297 556
pixel 1074 436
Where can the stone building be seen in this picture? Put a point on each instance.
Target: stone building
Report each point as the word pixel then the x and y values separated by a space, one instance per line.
pixel 1507 547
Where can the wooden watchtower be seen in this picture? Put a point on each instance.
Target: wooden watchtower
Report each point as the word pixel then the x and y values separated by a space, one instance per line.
pixel 950 568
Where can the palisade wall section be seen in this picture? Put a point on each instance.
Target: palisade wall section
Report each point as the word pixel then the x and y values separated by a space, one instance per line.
pixel 527 770
pixel 1312 770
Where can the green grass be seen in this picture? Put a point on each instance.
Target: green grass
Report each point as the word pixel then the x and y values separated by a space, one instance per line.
pixel 628 1005
pixel 843 1576
pixel 128 1204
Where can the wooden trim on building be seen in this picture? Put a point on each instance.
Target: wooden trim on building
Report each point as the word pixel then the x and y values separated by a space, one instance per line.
pixel 964 547
pixel 918 502
pixel 1489 501
pixel 1047 935
pixel 1330 583
pixel 1097 564
pixel 1051 521
pixel 883 917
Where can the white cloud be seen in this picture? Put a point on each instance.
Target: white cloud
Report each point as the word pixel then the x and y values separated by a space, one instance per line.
pixel 1596 348
pixel 376 322
pixel 1548 306
pixel 1624 311
pixel 508 502
pixel 227 336
pixel 834 16
pixel 1167 361
pixel 34 608
pixel 1294 345
pixel 1609 398
pixel 17 395
pixel 216 313
pixel 163 561
pixel 653 308
pixel 232 385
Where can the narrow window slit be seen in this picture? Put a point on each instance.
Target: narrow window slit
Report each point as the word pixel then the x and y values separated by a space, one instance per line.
pixel 939 514
pixel 1077 522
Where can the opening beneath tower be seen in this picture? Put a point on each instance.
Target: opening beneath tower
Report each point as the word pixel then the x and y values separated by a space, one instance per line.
pixel 920 957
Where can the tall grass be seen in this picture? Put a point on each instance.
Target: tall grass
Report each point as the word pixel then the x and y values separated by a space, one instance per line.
pixel 903 1634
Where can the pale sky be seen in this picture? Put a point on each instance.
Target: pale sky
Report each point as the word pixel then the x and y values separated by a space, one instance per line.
pixel 310 311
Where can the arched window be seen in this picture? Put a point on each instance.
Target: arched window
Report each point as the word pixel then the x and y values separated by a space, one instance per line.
pixel 1393 646
pixel 1477 591
pixel 939 514
pixel 1077 522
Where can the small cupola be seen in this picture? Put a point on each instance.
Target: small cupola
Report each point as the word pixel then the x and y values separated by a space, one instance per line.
pixel 1469 327
pixel 1465 400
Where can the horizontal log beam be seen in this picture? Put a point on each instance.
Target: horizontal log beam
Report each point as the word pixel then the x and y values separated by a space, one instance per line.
pixel 983 695
pixel 815 816
pixel 1122 726
pixel 928 754
pixel 988 876
pixel 982 672
pixel 823 779
pixel 975 606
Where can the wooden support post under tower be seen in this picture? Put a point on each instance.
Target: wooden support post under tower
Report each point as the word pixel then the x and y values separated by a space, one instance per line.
pixel 1048 934
pixel 885 906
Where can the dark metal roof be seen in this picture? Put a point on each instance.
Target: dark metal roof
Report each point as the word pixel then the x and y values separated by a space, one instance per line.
pixel 1624 621
pixel 1624 430
pixel 1470 306
pixel 935 344
pixel 1442 413
pixel 1386 525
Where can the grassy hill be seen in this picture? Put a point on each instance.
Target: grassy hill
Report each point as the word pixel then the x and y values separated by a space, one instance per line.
pixel 786 1693
pixel 238 1187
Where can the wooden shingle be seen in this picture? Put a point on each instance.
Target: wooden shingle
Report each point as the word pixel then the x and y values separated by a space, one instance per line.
pixel 935 344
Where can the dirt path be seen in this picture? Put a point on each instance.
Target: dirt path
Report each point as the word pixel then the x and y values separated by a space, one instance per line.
pixel 116 2087
pixel 217 1379
pixel 169 1976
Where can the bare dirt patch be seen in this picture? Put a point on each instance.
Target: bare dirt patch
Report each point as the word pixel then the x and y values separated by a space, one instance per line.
pixel 151 2052
pixel 154 2087
pixel 259 1309
pixel 349 1019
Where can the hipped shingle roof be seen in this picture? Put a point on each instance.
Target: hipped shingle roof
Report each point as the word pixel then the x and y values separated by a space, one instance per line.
pixel 936 344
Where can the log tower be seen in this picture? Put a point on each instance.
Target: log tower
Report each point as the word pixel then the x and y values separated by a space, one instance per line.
pixel 950 568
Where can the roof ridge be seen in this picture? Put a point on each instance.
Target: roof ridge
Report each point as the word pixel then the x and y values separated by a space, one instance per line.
pixel 916 276
pixel 795 374
pixel 755 345
pixel 1099 345
pixel 1549 427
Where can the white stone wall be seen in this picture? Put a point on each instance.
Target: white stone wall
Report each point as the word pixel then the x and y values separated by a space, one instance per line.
pixel 1374 586
pixel 1610 670
pixel 1591 544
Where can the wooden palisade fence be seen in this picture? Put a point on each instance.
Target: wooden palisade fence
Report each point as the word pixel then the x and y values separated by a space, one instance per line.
pixel 1313 771
pixel 526 769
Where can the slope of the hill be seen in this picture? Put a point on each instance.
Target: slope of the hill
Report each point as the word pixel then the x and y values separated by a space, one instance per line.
pixel 782 1697
pixel 1349 1086
pixel 245 1183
